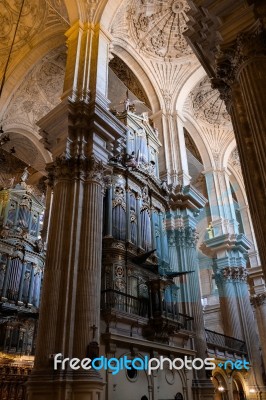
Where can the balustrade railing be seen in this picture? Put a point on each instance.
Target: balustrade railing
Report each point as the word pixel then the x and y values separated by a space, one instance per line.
pixel 224 342
pixel 12 382
pixel 114 299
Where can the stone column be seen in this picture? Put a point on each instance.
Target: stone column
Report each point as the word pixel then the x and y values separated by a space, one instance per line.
pixel 220 202
pixel 242 84
pixel 259 303
pixel 47 215
pixel 185 204
pixel 229 304
pixel 173 161
pixel 81 134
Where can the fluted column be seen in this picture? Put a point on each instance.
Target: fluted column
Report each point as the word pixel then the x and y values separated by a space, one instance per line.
pixel 251 337
pixel 183 223
pixel 21 284
pixel 81 134
pixel 87 318
pixel 47 214
pixel 8 268
pixel 69 315
pixel 259 303
pixel 193 285
pixel 240 78
pixel 229 301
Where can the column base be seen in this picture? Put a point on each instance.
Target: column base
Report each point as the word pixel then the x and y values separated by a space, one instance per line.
pixel 87 386
pixel 202 389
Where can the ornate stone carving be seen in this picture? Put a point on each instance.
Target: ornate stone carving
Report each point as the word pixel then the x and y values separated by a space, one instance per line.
pixel 87 169
pixel 32 17
pixel 158 26
pixel 39 92
pixel 258 300
pixel 208 105
pixel 235 274
pixel 229 61
pixel 129 79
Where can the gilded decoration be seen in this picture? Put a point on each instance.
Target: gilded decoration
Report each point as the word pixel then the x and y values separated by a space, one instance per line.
pixel 158 26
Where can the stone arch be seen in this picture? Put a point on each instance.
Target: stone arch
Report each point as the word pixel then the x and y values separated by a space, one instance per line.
pixel 30 59
pixel 73 9
pixel 134 64
pixel 28 147
pixel 239 386
pixel 227 153
pixel 199 141
pixel 188 86
pixel 106 12
pixel 221 385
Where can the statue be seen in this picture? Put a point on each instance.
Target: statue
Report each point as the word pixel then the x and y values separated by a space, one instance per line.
pixel 24 175
pixel 131 160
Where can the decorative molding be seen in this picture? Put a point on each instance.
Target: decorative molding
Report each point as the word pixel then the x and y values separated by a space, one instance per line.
pixel 258 300
pixel 87 169
pixel 124 73
pixel 39 92
pixel 208 105
pixel 234 274
pixel 157 28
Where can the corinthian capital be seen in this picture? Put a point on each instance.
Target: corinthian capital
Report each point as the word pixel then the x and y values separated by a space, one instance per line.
pixel 239 274
pixel 229 61
pixel 87 169
pixel 258 300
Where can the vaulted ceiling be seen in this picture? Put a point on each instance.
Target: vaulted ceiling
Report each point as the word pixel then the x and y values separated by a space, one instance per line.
pixel 146 35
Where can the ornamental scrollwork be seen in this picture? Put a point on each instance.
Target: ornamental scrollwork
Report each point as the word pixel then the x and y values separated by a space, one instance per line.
pixel 239 274
pixel 87 169
pixel 158 26
pixel 258 300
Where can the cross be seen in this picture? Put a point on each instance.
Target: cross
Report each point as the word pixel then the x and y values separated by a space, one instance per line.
pixel 94 328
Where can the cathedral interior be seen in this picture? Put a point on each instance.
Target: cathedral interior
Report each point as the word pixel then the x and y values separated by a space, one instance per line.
pixel 132 196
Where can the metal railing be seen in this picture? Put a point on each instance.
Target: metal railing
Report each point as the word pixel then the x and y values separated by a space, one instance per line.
pixel 114 299
pixel 12 382
pixel 225 342
pixel 119 301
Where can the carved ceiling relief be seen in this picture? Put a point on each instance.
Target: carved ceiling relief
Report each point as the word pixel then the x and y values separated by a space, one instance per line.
pixel 39 93
pixel 157 27
pixel 32 17
pixel 234 161
pixel 210 112
pixel 207 104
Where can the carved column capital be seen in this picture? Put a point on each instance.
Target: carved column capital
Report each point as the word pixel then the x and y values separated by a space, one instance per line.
pixel 234 274
pixel 258 300
pixel 230 60
pixel 87 169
